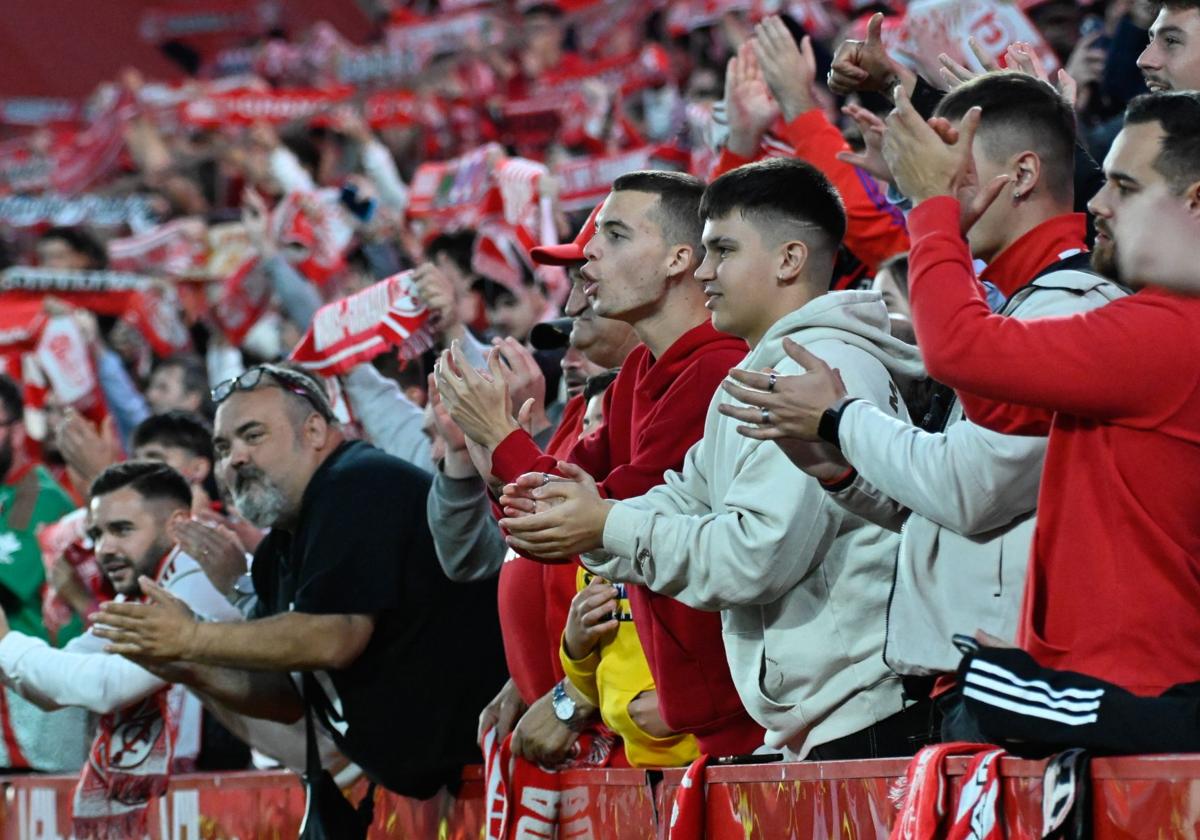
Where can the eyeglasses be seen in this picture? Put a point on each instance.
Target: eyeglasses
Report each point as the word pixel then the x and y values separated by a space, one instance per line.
pixel 287 380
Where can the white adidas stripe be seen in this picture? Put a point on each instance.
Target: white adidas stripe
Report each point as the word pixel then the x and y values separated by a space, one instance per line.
pixel 1026 709
pixel 1031 695
pixel 1003 673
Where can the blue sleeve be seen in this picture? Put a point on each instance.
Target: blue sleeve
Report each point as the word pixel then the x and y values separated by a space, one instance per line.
pixel 127 404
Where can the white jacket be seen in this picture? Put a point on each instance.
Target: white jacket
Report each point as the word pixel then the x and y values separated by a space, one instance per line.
pixel 82 674
pixel 964 500
pixel 801 584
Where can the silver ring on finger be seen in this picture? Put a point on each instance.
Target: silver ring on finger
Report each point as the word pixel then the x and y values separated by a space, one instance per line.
pixel 766 416
pixel 772 378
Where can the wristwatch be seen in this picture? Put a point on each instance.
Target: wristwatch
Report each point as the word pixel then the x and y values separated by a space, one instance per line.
pixel 564 704
pixel 831 419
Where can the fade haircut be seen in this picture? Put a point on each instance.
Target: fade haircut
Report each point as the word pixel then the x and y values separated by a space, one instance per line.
pixel 786 194
pixel 1020 113
pixel 1178 112
pixel 184 430
pixel 154 481
pixel 678 200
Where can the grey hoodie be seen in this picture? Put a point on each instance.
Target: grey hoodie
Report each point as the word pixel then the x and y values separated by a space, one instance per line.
pixel 802 584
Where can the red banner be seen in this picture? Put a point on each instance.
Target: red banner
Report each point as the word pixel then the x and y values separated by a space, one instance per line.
pixel 583 183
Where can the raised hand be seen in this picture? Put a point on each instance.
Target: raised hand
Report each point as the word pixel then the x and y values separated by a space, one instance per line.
pixel 216 548
pixel 870 159
pixel 437 292
pixel 926 164
pixel 788 70
pixel 162 630
pixel 749 105
pixel 866 66
pixel 480 405
pixel 526 383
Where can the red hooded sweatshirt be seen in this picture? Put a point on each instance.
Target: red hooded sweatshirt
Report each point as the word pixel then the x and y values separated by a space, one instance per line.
pixel 1114 579
pixel 654 411
pixel 534 598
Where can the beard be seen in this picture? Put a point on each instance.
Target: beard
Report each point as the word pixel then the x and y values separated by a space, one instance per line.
pixel 259 500
pixel 1104 260
pixel 125 572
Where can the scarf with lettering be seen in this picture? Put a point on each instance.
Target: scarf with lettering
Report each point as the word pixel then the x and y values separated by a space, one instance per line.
pixel 129 763
pixel 522 798
pixel 924 796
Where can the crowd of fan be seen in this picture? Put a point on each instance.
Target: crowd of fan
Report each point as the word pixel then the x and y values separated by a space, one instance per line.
pixel 747 465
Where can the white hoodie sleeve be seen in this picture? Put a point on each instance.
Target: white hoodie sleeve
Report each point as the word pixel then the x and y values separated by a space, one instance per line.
pixel 773 523
pixel 768 530
pixel 80 674
pixel 968 479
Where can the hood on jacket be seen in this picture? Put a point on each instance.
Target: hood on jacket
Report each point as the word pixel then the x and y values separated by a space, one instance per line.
pixel 857 318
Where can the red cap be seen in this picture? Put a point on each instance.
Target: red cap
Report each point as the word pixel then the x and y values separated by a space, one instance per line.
pixel 571 252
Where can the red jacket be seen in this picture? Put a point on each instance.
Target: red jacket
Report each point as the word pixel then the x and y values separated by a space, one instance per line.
pixel 874 228
pixel 654 411
pixel 1114 580
pixel 534 598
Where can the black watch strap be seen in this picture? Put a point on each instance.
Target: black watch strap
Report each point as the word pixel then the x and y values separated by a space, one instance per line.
pixel 831 420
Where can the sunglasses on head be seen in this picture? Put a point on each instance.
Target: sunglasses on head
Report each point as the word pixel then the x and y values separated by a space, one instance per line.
pixel 287 380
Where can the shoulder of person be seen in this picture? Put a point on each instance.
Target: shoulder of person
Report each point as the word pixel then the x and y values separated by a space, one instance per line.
pixel 363 466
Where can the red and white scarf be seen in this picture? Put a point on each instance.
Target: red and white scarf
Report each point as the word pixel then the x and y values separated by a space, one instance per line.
pixel 360 327
pixel 925 794
pixel 522 798
pixel 129 763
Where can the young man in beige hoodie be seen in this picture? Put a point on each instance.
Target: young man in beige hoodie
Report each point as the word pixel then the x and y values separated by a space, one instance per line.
pixel 802 584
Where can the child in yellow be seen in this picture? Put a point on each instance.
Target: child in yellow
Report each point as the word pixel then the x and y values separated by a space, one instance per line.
pixel 602 657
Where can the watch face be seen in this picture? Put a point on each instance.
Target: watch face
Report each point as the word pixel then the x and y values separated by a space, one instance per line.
pixel 564 708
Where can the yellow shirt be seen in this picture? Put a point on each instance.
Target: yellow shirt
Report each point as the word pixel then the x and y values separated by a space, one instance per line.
pixel 614 674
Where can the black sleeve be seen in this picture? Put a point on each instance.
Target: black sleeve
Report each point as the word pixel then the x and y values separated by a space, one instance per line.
pixel 353 549
pixel 925 97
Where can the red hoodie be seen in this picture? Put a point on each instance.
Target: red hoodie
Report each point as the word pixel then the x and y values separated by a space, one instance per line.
pixel 534 598
pixel 1114 580
pixel 874 228
pixel 654 411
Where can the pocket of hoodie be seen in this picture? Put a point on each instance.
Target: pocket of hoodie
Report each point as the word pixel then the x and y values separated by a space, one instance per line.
pixel 756 669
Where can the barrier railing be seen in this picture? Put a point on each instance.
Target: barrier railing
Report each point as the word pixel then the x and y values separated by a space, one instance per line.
pixel 1151 797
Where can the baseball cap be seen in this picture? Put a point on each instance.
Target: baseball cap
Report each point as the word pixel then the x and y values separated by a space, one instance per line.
pixel 571 252
pixel 551 335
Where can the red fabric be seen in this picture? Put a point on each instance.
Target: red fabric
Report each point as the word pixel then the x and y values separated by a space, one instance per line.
pixel 534 597
pixel 654 412
pixel 687 812
pixel 925 796
pixel 875 229
pixel 1053 240
pixel 1113 582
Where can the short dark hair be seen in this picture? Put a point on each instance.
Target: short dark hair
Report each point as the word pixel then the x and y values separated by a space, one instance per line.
pixel 678 202
pixel 459 246
pixel 1020 112
pixel 897 264
pixel 182 429
pixel 1179 5
pixel 195 376
pixel 10 398
pixel 80 241
pixel 1178 112
pixel 152 480
pixel 781 191
pixel 599 383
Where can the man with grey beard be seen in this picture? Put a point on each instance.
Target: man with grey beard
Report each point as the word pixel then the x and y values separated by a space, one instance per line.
pixel 352 602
